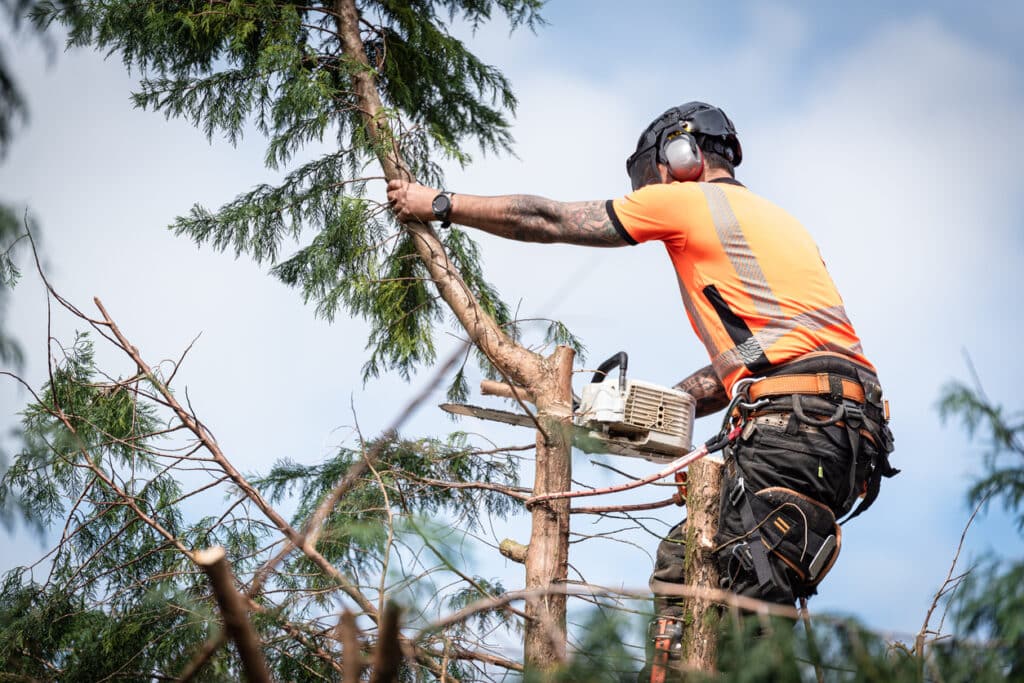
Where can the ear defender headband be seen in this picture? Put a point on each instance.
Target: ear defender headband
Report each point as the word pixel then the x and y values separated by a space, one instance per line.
pixel 672 140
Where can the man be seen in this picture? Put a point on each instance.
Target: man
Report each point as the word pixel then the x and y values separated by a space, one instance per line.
pixel 814 427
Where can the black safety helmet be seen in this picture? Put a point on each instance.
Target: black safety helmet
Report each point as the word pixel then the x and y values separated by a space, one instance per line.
pixel 709 125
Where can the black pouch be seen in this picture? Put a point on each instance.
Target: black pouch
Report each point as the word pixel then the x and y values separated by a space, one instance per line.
pixel 816 465
pixel 799 531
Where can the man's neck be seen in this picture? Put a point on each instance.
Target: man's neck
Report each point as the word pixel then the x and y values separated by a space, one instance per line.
pixel 714 174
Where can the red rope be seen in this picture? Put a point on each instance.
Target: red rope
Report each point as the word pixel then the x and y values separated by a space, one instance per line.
pixel 673 467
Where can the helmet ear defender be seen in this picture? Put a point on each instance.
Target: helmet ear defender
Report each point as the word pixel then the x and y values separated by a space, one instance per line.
pixel 682 155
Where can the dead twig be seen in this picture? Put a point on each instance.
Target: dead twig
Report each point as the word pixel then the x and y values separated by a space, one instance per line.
pixel 805 616
pixel 206 438
pixel 921 639
pixel 669 590
pixel 637 507
pixel 352 652
pixel 388 653
pixel 236 618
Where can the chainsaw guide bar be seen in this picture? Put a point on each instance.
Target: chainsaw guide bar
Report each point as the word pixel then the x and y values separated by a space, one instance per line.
pixel 617 416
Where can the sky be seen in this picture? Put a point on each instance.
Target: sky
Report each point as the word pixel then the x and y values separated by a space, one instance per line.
pixel 891 131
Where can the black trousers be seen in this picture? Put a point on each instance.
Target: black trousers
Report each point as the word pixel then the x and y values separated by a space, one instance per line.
pixel 816 462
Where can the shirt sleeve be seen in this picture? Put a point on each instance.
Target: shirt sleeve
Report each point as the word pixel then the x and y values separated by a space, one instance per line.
pixel 656 212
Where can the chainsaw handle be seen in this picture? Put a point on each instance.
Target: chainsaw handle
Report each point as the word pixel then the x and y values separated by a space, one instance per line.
pixel 620 361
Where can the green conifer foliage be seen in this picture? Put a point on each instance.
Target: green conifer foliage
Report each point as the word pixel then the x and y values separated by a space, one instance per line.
pixel 13 111
pixel 277 69
pixel 12 103
pixel 10 237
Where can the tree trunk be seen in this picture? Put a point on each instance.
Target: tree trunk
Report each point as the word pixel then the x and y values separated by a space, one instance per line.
pixel 548 380
pixel 701 617
pixel 547 560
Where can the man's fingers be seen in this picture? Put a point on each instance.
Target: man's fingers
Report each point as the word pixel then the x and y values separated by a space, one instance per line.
pixel 409 200
pixel 397 190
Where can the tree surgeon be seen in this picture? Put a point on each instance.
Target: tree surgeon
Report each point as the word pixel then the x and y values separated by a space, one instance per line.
pixel 814 434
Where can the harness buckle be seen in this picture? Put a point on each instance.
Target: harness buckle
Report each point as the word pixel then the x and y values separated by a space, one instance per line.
pixel 835 387
pixel 741 387
pixel 741 551
pixel 854 415
pixel 737 493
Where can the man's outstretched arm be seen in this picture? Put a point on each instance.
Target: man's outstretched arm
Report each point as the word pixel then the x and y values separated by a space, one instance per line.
pixel 526 218
pixel 707 389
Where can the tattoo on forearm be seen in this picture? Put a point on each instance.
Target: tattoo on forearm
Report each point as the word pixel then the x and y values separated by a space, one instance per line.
pixel 588 223
pixel 706 389
pixel 535 219
pixel 528 218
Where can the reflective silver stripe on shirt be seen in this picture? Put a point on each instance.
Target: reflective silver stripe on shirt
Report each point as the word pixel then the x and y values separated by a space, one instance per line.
pixel 738 250
pixel 833 316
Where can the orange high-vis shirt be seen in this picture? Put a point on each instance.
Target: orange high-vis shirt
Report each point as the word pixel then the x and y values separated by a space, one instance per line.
pixel 754 285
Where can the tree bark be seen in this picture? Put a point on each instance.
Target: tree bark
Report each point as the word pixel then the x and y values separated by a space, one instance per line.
pixel 547 557
pixel 387 656
pixel 701 616
pixel 352 652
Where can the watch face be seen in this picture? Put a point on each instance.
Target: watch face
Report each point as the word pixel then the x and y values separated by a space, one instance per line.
pixel 441 205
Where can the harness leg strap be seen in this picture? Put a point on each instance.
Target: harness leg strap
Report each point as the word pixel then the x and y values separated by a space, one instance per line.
pixel 757 552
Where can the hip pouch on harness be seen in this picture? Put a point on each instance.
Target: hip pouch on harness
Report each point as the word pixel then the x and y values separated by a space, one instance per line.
pixel 802 532
pixel 799 531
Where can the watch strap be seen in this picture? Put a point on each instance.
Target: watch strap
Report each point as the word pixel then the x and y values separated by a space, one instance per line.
pixel 445 217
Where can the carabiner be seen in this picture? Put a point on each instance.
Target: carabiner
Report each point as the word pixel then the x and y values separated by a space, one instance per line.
pixel 739 392
pixel 741 385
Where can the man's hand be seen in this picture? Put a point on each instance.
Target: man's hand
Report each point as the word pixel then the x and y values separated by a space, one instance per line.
pixel 411 200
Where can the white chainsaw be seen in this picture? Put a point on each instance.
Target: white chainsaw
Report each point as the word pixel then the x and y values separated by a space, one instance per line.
pixel 618 416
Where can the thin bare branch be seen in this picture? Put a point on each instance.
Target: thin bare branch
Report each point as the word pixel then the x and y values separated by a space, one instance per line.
pixel 636 507
pixel 673 590
pixel 919 642
pixel 211 445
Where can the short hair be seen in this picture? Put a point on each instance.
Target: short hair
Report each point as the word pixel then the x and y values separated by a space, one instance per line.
pixel 716 160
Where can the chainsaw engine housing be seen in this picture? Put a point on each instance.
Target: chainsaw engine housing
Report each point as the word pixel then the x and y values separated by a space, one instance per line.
pixel 645 419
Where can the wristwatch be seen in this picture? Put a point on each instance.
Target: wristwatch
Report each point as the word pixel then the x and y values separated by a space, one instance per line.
pixel 442 208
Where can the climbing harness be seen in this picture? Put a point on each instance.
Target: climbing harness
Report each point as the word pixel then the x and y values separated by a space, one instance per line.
pixel 778 521
pixel 858 408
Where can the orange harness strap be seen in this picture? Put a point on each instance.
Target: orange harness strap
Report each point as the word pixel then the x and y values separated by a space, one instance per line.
pixel 818 383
